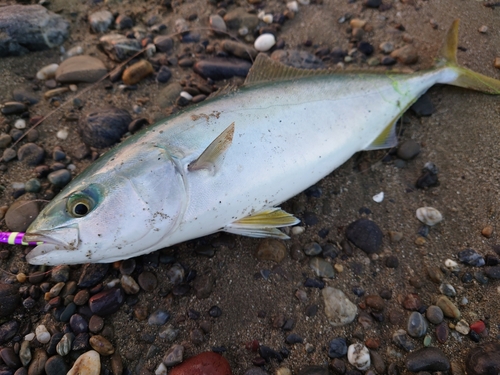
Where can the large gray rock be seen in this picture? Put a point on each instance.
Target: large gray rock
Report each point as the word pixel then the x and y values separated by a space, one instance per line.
pixel 26 28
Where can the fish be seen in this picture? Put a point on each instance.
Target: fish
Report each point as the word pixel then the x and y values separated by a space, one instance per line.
pixel 226 164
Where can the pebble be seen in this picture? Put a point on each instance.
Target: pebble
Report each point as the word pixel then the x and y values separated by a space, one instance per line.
pixel 163 75
pixel 92 274
pixel 401 339
pixel 25 353
pixel 483 29
pixel 9 154
pixel 321 267
pixel 59 178
pixel 358 355
pixel 487 231
pixel 118 47
pixel 148 281
pixel 64 346
pixel 56 365
pixel 239 49
pixel 442 332
pixel 339 309
pixel 78 324
pixel 173 356
pixel 417 325
pixel 483 359
pixel 219 68
pixel 159 317
pixel 20 215
pixel 423 107
pixel 129 285
pixel 462 327
pixel 13 108
pixel 107 302
pixel 264 42
pixel 314 370
pixel 429 216
pixel 47 72
pixel 427 359
pixel 406 55
pixel 9 357
pixel 163 43
pixel 137 72
pixel 89 363
pixel 31 153
pixel 101 345
pixel 100 21
pixel 293 339
pixel 217 24
pixel 271 249
pixel 471 258
pixel 239 18
pixel 448 307
pixel 375 302
pixel 378 198
pixel 408 150
pixel 207 363
pixel 451 265
pixel 123 22
pixel 365 234
pixel 392 261
pixel 492 272
pixel 42 335
pixel 434 314
pixel 37 364
pixel 81 68
pixel 5 140
pixel 337 348
pixel 20 124
pixel 9 295
pixel 104 127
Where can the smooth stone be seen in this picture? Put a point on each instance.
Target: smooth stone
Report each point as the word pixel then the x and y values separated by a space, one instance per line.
pixel 339 309
pixel 64 346
pixel 101 345
pixel 118 47
pixel 239 49
pixel 448 307
pixel 427 359
pixel 417 325
pixel 297 59
pixel 447 290
pixel 107 302
pixel 59 178
pixel 483 359
pixel 89 363
pixel 168 95
pixel 423 107
pixel 82 68
pixel 25 353
pixel 204 285
pixel 238 18
pixel 217 24
pixel 169 333
pixel 429 216
pixel 137 72
pixel 365 234
pixel 129 285
pixel 358 355
pixel 206 363
pixel 56 365
pixel 92 274
pixel 159 317
pixel 462 327
pixel 471 258
pixel 337 348
pixel 13 108
pixel 9 295
pixel 54 340
pixel 20 215
pixel 408 150
pixel 33 185
pixel 148 281
pixel 264 42
pixel 96 324
pixel 81 342
pixel 401 339
pixel 9 154
pixel 271 249
pixel 37 364
pixel 68 312
pixel 10 358
pixel 492 272
pixel 321 267
pixel 377 362
pixel 5 140
pixel 42 335
pixel 434 314
pixel 374 301
pixel 100 21
pixel 25 95
pixel 312 249
pixel 123 22
pixel 163 43
pixel 406 55
pixel 104 127
pixel 293 339
pixel 219 68
pixel 174 355
pixel 164 74
pixel 78 324
pixel 31 153
pixel 30 28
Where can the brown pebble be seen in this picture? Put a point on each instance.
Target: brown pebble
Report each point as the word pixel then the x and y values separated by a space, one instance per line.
pixel 448 307
pixel 442 332
pixel 101 345
pixel 487 231
pixel 412 302
pixel 420 241
pixel 270 249
pixel 116 364
pixel 483 29
pixel 81 297
pixel 375 302
pixel 372 343
pixel 416 282
pixel 435 274
pixel 136 72
pixel 356 23
pixel 96 323
pixel 496 63
pixel 395 236
pixel 141 313
pixel 148 281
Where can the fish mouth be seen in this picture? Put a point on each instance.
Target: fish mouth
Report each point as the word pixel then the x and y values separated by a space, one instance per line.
pixel 61 239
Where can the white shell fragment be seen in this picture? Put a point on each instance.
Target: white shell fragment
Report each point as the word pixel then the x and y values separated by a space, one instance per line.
pixel 47 72
pixel 359 356
pixel 452 265
pixel 20 124
pixel 429 216
pixel 268 18
pixel 264 42
pixel 62 134
pixel 186 95
pixel 293 6
pixel 378 197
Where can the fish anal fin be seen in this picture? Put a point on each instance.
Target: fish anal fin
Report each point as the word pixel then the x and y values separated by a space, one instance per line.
pixel 212 157
pixel 387 139
pixel 263 224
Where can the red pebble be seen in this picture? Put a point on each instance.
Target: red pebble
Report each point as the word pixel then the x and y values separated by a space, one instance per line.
pixel 206 363
pixel 478 326
pixel 252 345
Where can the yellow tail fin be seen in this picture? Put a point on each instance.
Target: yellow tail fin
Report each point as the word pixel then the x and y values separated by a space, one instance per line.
pixel 466 77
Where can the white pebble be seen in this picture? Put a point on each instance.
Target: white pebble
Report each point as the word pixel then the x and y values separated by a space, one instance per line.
pixel 150 50
pixel 18 185
pixel 161 370
pixel 483 29
pixel 243 31
pixel 264 42
pixel 20 124
pixel 462 327
pixel 359 356
pixel 186 95
pixel 73 87
pixel 75 51
pixel 29 336
pixel 113 283
pixel 464 301
pixel 47 72
pixel 42 335
pixel 62 134
pixel 293 6
pixel 71 167
pixel 451 265
pixel 429 216
pixel 268 18
pixel 261 15
pixel 88 363
pixel 298 230
pixel 378 197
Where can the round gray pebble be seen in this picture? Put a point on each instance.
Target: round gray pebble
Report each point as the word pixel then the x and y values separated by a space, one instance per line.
pixel 408 150
pixel 434 314
pixel 59 178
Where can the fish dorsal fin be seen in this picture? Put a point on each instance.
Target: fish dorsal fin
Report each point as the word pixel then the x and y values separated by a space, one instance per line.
pixel 229 88
pixel 212 157
pixel 448 52
pixel 263 224
pixel 387 139
pixel 265 69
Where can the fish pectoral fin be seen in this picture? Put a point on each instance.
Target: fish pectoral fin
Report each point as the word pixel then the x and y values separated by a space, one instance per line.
pixel 212 157
pixel 263 224
pixel 387 139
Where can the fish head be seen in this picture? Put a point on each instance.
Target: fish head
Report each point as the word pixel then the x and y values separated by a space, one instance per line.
pixel 115 212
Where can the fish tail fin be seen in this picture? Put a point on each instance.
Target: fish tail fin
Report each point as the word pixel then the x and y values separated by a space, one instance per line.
pixel 463 77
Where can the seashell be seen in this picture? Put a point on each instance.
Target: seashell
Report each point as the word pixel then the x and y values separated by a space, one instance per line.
pixel 137 72
pixel 47 72
pixel 429 216
pixel 378 197
pixel 264 42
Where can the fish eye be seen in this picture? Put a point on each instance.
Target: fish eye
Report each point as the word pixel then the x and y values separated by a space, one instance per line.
pixel 79 205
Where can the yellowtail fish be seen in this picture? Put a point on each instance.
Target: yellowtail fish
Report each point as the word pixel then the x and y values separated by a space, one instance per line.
pixel 227 163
